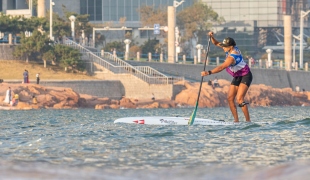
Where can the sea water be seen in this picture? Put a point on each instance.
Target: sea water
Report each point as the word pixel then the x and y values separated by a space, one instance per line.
pixel 86 144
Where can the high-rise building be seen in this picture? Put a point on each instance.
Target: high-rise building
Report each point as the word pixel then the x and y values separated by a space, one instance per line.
pixel 256 24
pixel 15 7
pixel 266 13
pixel 13 4
pixel 112 10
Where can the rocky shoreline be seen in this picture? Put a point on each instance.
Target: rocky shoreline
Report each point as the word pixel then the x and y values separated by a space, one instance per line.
pixel 67 98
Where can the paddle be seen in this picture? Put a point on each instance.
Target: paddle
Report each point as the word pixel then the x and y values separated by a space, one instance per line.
pixel 192 118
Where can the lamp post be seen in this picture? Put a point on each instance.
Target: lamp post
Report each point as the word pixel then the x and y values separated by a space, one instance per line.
pixel 30 8
pixel 294 54
pixel 72 19
pixel 199 48
pixel 301 46
pixel 1 35
pixel 269 51
pixel 176 37
pixel 294 47
pixel 51 20
pixel 127 42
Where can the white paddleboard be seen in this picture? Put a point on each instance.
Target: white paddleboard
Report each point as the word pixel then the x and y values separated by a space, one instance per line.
pixel 161 120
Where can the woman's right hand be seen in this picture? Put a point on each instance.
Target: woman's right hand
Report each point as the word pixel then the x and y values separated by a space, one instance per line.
pixel 210 34
pixel 204 73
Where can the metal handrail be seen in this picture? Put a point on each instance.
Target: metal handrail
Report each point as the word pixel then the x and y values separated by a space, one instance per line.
pixel 145 69
pixel 122 66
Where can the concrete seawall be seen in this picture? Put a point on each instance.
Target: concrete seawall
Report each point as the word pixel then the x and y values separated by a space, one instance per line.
pixel 99 88
pixel 116 88
pixel 6 52
pixel 270 77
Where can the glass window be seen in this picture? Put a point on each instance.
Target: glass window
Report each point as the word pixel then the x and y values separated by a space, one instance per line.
pixel 113 12
pixel 128 10
pixel 98 15
pixel 149 2
pixel 0 5
pixel 135 13
pixel 121 8
pixel 169 2
pixel 234 5
pixel 91 9
pixel 158 4
pixel 143 2
pixel 244 5
pixel 147 34
pixel 106 10
pixel 83 7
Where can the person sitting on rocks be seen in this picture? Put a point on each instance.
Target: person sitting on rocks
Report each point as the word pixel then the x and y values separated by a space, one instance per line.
pixel 210 83
pixel 216 83
pixel 34 100
pixel 15 100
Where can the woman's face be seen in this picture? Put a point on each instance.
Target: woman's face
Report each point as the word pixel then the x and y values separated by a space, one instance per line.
pixel 226 49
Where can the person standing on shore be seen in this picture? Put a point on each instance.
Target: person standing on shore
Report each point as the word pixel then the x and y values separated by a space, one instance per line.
pixel 25 74
pixel 8 96
pixel 38 78
pixel 239 70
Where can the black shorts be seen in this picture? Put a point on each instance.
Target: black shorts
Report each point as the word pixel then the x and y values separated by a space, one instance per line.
pixel 247 79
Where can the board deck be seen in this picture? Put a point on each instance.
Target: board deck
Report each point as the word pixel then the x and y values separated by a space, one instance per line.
pixel 161 120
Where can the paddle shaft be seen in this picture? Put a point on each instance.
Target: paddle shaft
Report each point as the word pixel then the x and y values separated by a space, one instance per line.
pixel 192 118
pixel 204 68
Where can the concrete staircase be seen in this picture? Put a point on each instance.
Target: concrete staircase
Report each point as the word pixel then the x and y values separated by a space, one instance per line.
pixel 118 66
pixel 139 82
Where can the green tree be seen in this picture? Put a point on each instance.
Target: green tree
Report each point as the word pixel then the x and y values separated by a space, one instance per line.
pixel 61 27
pixel 26 48
pixel 193 21
pixel 37 44
pixel 99 39
pixel 118 46
pixel 81 22
pixel 17 24
pixel 197 18
pixel 49 55
pixel 133 51
pixel 149 46
pixel 69 57
pixel 151 16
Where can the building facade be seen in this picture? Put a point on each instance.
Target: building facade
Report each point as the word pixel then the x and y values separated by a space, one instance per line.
pixel 16 7
pixel 13 4
pixel 254 24
pixel 257 24
pixel 101 11
pixel 266 13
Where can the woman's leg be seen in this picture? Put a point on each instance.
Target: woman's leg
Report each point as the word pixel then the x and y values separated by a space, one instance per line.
pixel 243 88
pixel 231 101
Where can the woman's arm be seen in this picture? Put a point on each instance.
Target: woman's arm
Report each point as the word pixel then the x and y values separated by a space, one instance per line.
pixel 229 60
pixel 213 40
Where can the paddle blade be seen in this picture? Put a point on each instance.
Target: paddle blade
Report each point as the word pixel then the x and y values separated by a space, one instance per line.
pixel 192 118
